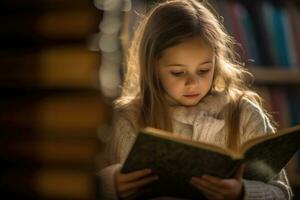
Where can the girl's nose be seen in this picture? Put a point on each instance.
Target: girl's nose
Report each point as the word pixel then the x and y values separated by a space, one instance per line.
pixel 192 80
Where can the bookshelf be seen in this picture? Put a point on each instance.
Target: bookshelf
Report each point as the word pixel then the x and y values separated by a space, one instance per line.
pixel 275 75
pixel 51 106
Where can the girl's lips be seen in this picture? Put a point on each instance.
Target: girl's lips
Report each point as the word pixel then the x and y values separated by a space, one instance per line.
pixel 191 95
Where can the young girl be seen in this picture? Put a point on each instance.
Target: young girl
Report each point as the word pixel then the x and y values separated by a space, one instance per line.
pixel 183 76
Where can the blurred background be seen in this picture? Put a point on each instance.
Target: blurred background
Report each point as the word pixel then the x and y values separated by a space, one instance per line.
pixel 61 65
pixel 51 107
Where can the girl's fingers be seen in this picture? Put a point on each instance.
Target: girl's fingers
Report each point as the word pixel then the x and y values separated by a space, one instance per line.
pixel 211 186
pixel 134 175
pixel 205 184
pixel 217 182
pixel 222 184
pixel 239 173
pixel 139 183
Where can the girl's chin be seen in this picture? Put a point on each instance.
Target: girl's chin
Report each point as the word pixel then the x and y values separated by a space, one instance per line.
pixel 190 102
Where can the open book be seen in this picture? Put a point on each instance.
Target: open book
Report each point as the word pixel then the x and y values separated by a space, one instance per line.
pixel 175 160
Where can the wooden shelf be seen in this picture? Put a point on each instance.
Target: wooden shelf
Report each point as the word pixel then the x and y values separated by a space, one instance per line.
pixel 275 75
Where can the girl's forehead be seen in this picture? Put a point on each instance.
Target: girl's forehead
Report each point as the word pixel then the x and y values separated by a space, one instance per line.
pixel 191 48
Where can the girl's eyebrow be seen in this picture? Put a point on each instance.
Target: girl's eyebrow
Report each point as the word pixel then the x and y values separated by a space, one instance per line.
pixel 182 65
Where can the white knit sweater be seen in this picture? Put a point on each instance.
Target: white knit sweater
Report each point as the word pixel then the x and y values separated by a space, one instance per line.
pixel 199 123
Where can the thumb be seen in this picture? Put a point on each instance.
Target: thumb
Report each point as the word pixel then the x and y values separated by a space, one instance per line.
pixel 239 172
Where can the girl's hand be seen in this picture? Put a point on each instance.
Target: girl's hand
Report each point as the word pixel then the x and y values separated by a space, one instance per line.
pixel 214 188
pixel 129 186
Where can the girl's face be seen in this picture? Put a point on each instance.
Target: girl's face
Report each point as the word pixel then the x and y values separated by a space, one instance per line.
pixel 186 71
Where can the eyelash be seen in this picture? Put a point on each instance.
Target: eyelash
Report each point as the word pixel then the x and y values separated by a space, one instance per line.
pixel 177 74
pixel 180 73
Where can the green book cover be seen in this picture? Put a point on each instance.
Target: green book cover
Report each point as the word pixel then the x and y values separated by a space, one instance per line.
pixel 175 160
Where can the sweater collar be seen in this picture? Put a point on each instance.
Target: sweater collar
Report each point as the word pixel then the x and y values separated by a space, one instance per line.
pixel 211 105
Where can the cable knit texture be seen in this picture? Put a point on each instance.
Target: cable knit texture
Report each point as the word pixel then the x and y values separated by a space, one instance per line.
pixel 202 122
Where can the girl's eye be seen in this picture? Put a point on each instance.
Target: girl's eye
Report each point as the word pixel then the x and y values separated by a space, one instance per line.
pixel 204 71
pixel 179 73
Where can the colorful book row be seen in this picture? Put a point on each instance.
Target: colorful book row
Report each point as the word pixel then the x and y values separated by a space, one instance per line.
pixel 268 31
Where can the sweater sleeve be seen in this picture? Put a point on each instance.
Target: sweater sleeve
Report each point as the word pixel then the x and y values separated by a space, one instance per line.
pixel 117 148
pixel 278 188
pixel 254 123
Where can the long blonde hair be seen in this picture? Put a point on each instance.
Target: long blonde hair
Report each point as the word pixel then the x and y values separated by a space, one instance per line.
pixel 166 25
